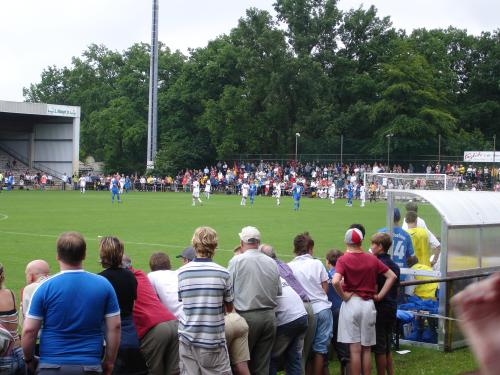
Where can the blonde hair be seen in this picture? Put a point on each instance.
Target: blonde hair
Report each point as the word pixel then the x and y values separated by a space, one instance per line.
pixel 204 242
pixel 111 252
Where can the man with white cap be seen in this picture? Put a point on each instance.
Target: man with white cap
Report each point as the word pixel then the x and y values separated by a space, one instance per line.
pixel 358 292
pixel 256 283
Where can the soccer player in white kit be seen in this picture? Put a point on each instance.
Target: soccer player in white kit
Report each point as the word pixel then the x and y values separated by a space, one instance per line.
pixel 331 192
pixel 208 186
pixel 277 192
pixel 362 195
pixel 122 183
pixel 83 183
pixel 244 193
pixel 196 192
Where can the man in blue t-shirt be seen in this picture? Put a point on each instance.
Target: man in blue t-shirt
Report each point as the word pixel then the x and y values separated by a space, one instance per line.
pixel 349 194
pixel 297 193
pixel 72 305
pixel 402 247
pixel 252 192
pixel 115 192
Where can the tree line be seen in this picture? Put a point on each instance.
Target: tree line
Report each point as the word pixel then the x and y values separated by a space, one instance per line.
pixel 312 69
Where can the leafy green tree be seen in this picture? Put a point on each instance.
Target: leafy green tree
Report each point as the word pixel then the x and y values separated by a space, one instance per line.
pixel 411 107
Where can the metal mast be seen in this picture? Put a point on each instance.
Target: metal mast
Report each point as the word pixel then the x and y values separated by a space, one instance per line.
pixel 153 91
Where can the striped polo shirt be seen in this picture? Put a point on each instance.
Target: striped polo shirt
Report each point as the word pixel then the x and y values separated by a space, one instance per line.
pixel 204 286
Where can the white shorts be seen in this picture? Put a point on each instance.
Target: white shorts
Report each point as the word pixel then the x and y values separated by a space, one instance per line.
pixel 357 322
pixel 196 194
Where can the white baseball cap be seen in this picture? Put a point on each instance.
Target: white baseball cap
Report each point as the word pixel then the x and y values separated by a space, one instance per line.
pixel 250 235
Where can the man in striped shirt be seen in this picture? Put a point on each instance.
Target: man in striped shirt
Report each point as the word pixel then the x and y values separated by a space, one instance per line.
pixel 205 290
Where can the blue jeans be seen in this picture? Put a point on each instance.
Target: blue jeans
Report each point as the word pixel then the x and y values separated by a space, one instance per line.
pixel 324 331
pixel 289 343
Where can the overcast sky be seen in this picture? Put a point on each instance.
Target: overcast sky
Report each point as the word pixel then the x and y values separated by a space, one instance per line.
pixel 39 33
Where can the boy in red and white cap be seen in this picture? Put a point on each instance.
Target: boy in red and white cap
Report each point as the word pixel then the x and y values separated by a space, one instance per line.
pixel 358 291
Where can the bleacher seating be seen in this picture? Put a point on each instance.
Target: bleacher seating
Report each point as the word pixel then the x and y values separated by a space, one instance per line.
pixel 10 165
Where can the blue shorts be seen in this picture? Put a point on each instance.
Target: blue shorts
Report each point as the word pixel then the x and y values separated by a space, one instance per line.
pixel 324 331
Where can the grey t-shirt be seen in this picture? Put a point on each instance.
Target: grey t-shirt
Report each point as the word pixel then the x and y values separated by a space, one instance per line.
pixel 256 281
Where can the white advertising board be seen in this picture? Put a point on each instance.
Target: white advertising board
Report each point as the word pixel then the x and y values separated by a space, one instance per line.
pixel 62 110
pixel 481 157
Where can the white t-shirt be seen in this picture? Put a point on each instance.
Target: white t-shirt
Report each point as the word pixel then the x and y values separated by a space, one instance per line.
pixel 196 188
pixel 276 190
pixel 165 283
pixel 331 191
pixel 311 273
pixel 83 182
pixel 433 241
pixel 207 186
pixel 290 306
pixel 244 189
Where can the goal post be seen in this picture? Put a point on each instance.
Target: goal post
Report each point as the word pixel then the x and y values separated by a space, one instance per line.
pixel 409 181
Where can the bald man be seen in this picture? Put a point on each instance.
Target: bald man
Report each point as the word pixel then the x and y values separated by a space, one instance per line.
pixel 36 272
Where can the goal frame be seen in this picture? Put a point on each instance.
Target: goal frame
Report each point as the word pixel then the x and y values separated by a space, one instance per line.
pixel 408 176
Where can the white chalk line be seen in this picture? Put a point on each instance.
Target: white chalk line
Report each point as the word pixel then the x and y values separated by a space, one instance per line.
pixel 125 241
pixel 3 217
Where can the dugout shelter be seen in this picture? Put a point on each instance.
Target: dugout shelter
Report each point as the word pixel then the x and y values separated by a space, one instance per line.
pixel 468 226
pixel 45 137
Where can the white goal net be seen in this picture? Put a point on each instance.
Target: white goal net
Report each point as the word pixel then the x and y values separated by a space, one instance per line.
pixel 408 181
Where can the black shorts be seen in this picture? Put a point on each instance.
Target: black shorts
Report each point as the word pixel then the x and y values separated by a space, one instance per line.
pixel 384 327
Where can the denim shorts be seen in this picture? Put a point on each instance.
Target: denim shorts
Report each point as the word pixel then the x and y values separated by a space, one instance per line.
pixel 324 331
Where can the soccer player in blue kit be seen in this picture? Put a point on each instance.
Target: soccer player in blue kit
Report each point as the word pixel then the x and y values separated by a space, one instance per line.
pixel 252 192
pixel 115 191
pixel 402 246
pixel 297 192
pixel 349 194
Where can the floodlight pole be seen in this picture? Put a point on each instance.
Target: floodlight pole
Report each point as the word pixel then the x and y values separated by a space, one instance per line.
pixel 439 150
pixel 153 91
pixel 389 136
pixel 341 149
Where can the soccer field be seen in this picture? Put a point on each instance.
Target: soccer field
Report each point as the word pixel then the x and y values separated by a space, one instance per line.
pixel 30 222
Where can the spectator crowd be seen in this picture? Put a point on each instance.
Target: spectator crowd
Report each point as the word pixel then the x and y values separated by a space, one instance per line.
pixel 228 178
pixel 315 177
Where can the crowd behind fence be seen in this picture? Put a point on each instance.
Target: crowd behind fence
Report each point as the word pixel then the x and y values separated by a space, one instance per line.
pixel 227 177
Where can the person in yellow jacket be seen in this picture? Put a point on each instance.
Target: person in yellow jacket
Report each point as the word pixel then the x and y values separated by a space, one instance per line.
pixel 423 291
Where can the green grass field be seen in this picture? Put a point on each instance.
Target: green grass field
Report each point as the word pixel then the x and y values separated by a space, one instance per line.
pixel 30 222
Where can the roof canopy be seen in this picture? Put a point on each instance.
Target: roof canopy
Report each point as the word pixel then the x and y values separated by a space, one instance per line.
pixel 461 208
